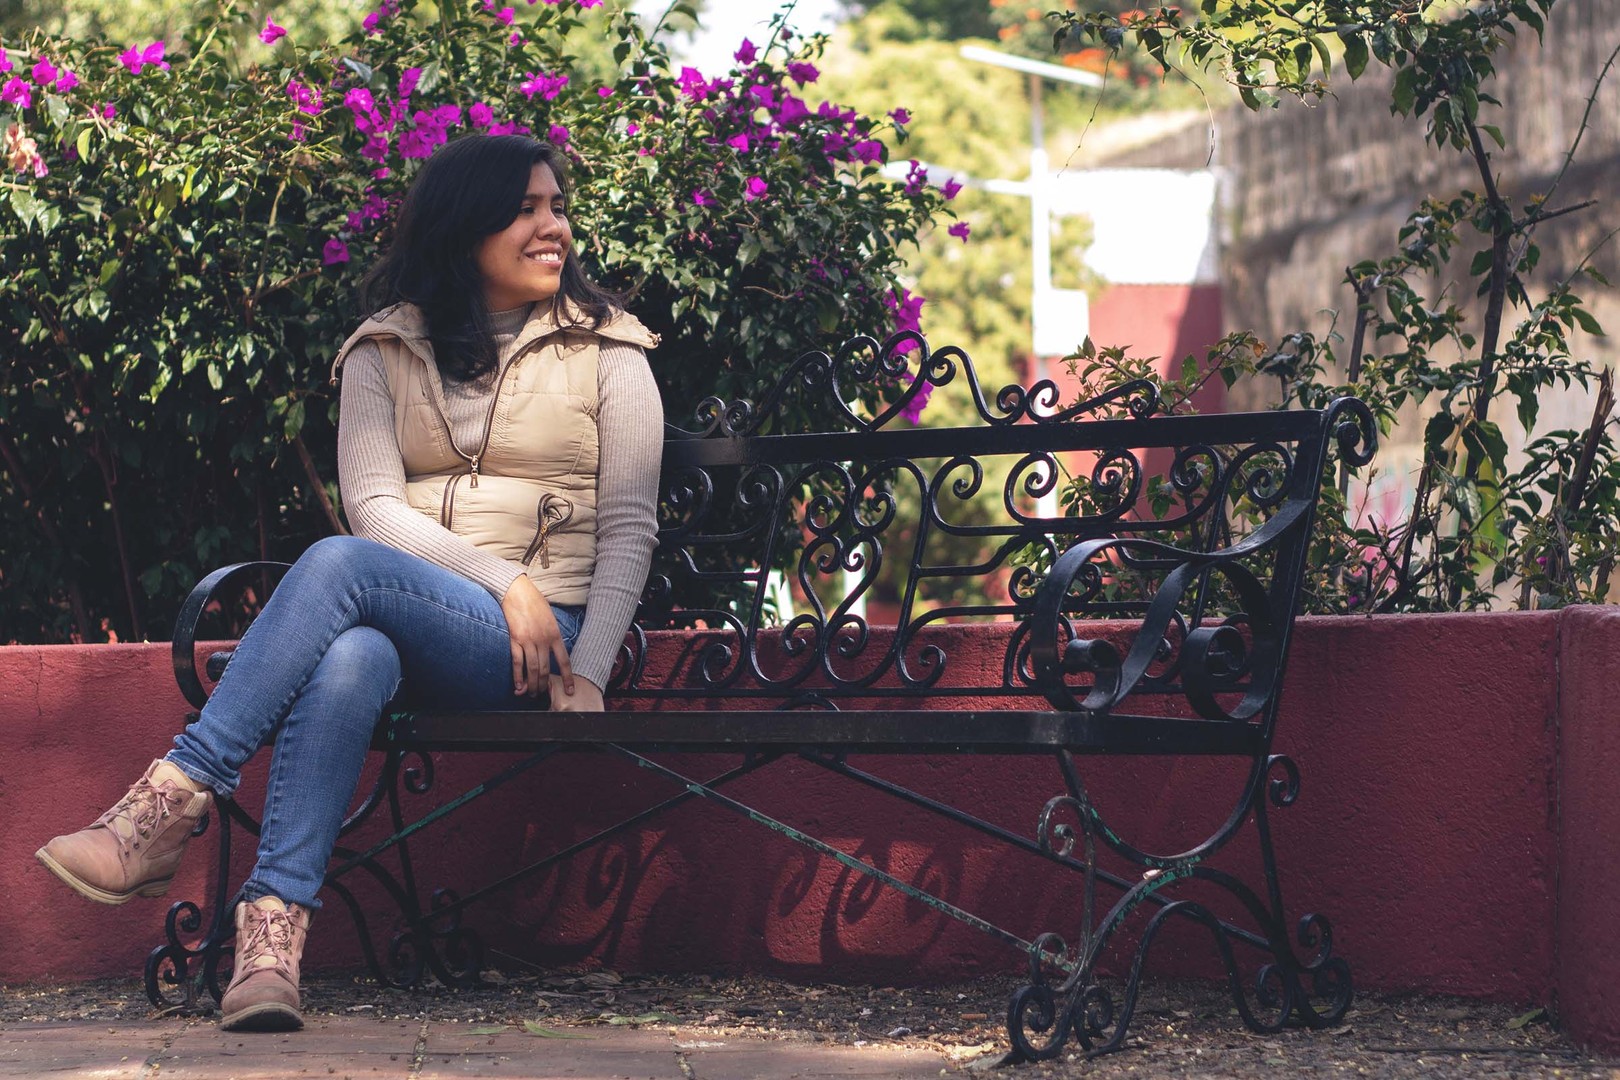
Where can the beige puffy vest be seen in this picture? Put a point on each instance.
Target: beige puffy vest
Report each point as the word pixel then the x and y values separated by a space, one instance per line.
pixel 527 492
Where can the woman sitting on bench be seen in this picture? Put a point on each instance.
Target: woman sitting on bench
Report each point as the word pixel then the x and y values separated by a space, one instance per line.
pixel 500 472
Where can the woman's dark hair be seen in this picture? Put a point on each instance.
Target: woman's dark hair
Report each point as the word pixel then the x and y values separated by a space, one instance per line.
pixel 470 189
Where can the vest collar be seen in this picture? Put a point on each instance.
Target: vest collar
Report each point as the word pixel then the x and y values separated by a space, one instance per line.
pixel 406 323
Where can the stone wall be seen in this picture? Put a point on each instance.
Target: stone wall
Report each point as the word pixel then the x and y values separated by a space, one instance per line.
pixel 1311 190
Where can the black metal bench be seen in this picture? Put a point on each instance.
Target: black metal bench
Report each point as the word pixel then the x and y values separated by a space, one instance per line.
pixel 1151 619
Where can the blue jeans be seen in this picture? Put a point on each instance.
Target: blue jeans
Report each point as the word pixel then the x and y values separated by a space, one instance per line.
pixel 349 624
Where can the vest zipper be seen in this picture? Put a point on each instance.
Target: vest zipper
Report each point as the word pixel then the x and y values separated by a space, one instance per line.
pixel 489 421
pixel 552 514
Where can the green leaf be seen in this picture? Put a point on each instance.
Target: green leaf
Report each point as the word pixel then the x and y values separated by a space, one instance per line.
pixel 1256 98
pixel 82 144
pixel 1437 432
pixel 1404 96
pixel 1355 54
pixel 541 1031
pixel 432 72
pixel 1322 53
pixel 1495 133
pixel 488 1029
pixel 1587 322
pixel 1530 1017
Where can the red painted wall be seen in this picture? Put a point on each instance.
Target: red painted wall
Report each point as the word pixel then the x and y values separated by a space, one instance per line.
pixel 1166 321
pixel 1434 750
pixel 1589 815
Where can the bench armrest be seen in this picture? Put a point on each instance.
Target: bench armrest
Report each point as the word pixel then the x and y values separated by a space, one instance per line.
pixel 184 648
pixel 1211 657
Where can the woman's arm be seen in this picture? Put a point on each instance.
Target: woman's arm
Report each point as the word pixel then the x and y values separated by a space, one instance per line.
pixel 630 432
pixel 371 476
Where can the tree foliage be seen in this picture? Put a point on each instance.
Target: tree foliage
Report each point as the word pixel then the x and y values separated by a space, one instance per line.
pixel 184 235
pixel 1548 529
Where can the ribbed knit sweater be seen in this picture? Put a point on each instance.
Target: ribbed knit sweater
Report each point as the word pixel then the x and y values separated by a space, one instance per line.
pixel 371 476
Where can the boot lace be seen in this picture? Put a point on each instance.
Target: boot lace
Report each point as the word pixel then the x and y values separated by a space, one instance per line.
pixel 269 933
pixel 145 807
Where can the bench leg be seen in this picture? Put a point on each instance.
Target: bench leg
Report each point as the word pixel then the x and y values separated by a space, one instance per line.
pixel 195 967
pixel 433 939
pixel 1064 996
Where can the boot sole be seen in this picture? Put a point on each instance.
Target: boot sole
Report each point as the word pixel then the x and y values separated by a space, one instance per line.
pixel 265 1016
pixel 101 896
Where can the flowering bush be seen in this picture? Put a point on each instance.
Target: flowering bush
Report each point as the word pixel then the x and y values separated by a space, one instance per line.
pixel 183 243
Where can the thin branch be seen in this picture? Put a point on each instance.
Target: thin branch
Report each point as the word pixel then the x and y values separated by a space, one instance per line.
pixel 1530 221
pixel 1586 118
pixel 1501 236
pixel 102 456
pixel 318 486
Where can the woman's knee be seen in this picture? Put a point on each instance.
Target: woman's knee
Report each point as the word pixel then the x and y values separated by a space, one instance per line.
pixel 336 554
pixel 332 566
pixel 361 662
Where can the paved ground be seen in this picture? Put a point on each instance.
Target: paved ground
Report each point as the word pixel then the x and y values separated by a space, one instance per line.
pixel 600 1026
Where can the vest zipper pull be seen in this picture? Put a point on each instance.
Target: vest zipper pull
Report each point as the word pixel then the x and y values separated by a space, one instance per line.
pixel 545 556
pixel 474 473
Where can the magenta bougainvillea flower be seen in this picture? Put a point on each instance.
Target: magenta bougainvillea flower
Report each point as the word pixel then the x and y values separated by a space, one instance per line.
pixel 791 111
pixel 18 93
pixel 557 135
pixel 604 92
pixel 44 71
pixel 746 53
pixel 271 32
pixel 961 230
pixel 408 81
pixel 738 143
pixel 692 83
pixel 335 251
pixel 134 59
pixel 754 189
pixel 901 116
pixel 5 61
pixel 950 188
pixel 547 86
pixel 481 115
pixel 801 72
pixel 308 98
pixel 702 198
pixel 65 81
pixel 866 151
pixel 916 178
pixel 907 308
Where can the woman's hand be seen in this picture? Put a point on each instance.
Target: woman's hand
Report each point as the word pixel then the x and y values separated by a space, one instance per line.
pixel 536 641
pixel 586 696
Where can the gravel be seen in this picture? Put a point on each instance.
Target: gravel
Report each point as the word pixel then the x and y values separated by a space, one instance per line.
pixel 1181 1029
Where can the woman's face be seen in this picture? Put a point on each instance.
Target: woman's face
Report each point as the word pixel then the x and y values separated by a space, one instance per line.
pixel 523 262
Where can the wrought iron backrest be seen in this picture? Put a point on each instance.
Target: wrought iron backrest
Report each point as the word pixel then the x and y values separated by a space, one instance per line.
pixel 1205 563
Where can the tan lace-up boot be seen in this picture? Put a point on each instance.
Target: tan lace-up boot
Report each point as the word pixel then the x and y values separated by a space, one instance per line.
pixel 263 994
pixel 133 849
